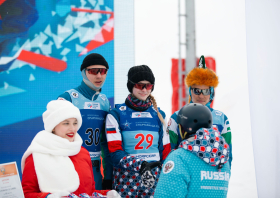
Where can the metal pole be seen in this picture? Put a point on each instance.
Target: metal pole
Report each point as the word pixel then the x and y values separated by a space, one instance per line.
pixel 190 39
pixel 180 61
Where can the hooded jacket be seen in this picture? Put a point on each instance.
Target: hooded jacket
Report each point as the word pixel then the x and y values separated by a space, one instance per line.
pixel 198 168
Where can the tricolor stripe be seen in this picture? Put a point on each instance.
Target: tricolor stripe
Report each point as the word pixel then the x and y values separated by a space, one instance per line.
pixel 111 130
pixel 114 137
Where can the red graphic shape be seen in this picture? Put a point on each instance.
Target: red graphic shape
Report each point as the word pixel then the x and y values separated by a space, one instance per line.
pixel 107 31
pixel 107 36
pixel 87 10
pixel 2 1
pixel 42 61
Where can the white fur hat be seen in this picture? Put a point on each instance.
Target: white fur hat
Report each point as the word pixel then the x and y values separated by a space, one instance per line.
pixel 58 111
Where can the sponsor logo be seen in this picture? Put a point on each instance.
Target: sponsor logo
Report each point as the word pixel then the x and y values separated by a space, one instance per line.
pixel 126 124
pixel 214 188
pixel 102 97
pixel 168 167
pixel 91 105
pixel 122 108
pixel 210 175
pixel 145 156
pixel 141 115
pixel 94 154
pixel 61 98
pixel 218 113
pixel 146 124
pixel 183 117
pixel 75 95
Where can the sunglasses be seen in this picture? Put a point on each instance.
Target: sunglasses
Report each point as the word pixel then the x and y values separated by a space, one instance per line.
pixel 197 91
pixel 95 71
pixel 141 86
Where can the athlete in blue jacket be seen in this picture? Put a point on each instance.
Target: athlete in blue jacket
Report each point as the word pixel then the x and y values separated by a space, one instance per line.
pixel 201 82
pixel 94 107
pixel 137 138
pixel 198 168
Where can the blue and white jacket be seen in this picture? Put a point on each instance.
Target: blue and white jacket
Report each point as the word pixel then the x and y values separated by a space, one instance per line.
pixel 94 108
pixel 134 137
pixel 198 168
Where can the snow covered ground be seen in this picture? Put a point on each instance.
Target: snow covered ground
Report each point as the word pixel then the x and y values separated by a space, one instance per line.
pixel 220 33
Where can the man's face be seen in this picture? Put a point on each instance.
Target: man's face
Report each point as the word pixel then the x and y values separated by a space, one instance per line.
pixel 202 99
pixel 98 79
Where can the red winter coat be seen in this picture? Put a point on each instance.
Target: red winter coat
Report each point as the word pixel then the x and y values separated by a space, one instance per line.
pixel 82 164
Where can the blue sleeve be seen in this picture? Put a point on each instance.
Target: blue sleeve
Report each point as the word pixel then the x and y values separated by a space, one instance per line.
pixel 226 133
pixel 230 155
pixel 106 157
pixel 160 140
pixel 174 178
pixel 66 96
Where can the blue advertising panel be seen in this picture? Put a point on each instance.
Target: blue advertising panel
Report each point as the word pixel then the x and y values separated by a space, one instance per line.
pixel 42 45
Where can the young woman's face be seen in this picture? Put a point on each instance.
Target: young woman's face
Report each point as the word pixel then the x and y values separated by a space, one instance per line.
pixel 67 129
pixel 141 94
pixel 97 79
pixel 202 99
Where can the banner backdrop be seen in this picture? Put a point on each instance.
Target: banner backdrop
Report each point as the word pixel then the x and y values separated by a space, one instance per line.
pixel 42 45
pixel 263 47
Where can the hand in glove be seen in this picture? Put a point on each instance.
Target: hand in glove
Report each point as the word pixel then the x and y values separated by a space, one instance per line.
pixel 107 184
pixel 58 194
pixel 113 194
pixel 147 177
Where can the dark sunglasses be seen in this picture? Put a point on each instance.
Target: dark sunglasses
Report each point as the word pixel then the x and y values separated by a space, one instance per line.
pixel 141 86
pixel 95 71
pixel 197 91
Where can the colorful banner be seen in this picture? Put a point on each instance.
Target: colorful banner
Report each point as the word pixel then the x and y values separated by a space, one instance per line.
pixel 42 45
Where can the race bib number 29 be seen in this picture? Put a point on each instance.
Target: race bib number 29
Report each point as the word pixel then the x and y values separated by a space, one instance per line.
pixel 149 139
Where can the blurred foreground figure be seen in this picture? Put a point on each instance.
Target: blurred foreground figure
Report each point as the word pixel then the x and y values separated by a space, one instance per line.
pixel 198 168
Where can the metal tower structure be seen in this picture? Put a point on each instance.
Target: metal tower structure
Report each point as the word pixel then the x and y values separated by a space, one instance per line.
pixel 190 41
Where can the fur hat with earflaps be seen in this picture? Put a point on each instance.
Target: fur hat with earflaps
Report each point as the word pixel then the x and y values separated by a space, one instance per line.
pixel 201 75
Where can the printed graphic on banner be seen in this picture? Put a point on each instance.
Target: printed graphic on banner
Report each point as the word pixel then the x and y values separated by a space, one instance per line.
pixel 43 44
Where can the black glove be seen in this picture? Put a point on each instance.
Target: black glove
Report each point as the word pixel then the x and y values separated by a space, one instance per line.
pixel 147 177
pixel 107 184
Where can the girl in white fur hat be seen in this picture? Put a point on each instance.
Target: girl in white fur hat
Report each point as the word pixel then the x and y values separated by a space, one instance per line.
pixel 55 164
